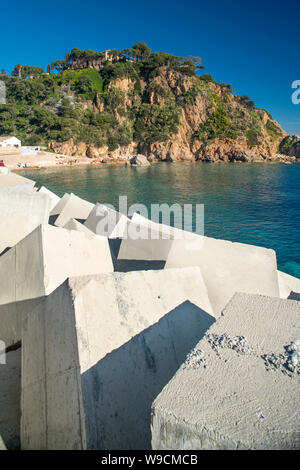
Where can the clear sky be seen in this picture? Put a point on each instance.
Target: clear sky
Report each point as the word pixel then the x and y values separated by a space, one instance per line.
pixel 252 44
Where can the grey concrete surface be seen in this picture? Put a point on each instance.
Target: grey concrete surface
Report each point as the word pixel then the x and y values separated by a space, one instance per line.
pixel 54 198
pixel 150 241
pixel 73 224
pixel 287 285
pixel 60 204
pixel 21 212
pixel 106 222
pixel 228 268
pixel 239 387
pixel 15 181
pixel 73 207
pixel 45 258
pixel 100 349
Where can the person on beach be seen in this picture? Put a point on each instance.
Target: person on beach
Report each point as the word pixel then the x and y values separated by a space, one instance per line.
pixel 2 163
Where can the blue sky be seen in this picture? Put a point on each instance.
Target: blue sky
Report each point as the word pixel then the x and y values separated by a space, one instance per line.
pixel 254 45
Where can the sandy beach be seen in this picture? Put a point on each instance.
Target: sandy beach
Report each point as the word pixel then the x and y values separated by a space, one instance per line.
pixel 43 159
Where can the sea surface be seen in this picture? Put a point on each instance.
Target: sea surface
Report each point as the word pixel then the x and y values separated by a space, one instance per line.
pixel 250 203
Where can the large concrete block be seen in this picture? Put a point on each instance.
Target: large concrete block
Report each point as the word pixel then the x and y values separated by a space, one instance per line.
pixel 21 212
pixel 10 400
pixel 11 180
pixel 164 231
pixel 150 241
pixel 287 285
pixel 239 388
pixel 99 350
pixel 54 198
pixel 11 320
pixel 60 204
pixel 44 259
pixel 106 222
pixel 228 268
pixel 71 207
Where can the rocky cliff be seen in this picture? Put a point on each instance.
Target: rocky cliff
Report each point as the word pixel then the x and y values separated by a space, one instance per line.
pixel 213 124
pixel 166 112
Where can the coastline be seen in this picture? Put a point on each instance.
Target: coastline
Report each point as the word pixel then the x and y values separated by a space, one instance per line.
pixel 44 160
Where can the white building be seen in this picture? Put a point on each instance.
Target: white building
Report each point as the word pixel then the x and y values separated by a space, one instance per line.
pixel 9 141
pixel 30 150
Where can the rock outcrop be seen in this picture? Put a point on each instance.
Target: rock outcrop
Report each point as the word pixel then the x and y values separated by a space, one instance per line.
pixel 175 117
pixel 139 160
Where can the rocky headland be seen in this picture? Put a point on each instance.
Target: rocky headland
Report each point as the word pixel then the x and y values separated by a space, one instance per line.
pixel 109 107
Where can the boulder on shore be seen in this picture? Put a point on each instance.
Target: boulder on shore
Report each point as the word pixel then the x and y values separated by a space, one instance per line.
pixel 139 160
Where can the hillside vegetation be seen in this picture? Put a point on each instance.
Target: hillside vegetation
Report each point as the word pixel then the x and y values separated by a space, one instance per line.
pixel 137 101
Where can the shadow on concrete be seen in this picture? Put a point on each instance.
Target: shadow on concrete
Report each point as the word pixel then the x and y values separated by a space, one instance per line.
pixel 294 296
pixel 119 390
pixel 114 245
pixel 52 219
pixel 10 400
pixel 5 251
pixel 127 265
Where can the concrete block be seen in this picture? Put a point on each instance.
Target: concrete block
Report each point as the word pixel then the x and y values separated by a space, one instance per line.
pixel 60 204
pixel 46 257
pixel 287 285
pixel 238 389
pixel 106 222
pixel 10 400
pixel 72 207
pixel 147 250
pixel 21 212
pixel 165 231
pixel 150 241
pixel 110 343
pixel 228 268
pixel 54 198
pixel 73 224
pixel 17 182
pixel 11 318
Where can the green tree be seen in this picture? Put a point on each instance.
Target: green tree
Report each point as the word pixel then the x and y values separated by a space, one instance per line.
pixel 141 51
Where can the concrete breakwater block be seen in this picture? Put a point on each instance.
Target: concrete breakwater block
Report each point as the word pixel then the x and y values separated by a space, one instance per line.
pixel 60 205
pixel 239 388
pixel 71 206
pixel 45 258
pixel 228 268
pixel 106 222
pixel 100 349
pixel 54 198
pixel 287 285
pixel 165 231
pixel 150 241
pixel 21 212
pixel 39 264
pixel 11 320
pixel 11 180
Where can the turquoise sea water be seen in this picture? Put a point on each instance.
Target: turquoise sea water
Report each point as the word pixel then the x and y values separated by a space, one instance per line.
pixel 250 203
